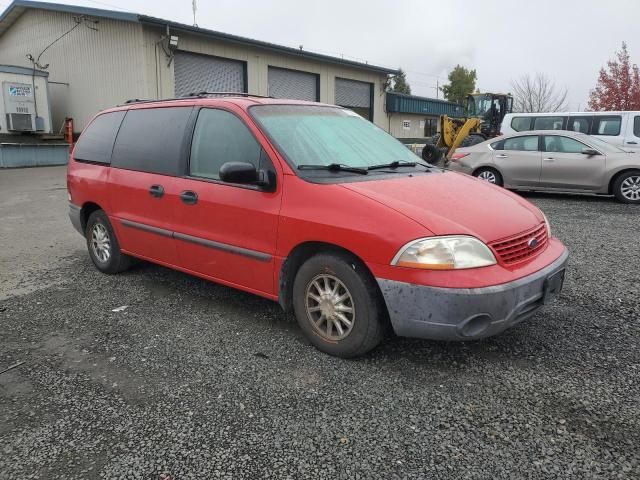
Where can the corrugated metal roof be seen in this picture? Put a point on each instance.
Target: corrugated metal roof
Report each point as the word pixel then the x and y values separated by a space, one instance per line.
pixel 402 103
pixel 17 7
pixel 22 70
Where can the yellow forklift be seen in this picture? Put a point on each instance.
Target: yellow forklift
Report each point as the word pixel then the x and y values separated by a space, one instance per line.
pixel 484 114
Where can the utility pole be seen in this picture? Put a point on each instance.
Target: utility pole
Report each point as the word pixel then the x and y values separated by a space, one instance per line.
pixel 194 7
pixel 437 88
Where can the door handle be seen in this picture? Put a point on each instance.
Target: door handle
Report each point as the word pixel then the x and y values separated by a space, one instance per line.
pixel 549 159
pixel 632 143
pixel 501 156
pixel 156 191
pixel 189 197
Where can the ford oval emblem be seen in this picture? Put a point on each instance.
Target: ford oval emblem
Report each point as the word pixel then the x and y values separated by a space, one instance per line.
pixel 532 242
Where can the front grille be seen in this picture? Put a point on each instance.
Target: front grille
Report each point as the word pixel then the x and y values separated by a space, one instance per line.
pixel 518 249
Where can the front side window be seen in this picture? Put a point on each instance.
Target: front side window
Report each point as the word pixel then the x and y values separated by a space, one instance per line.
pixel 220 137
pixel 636 126
pixel 580 124
pixel 150 140
pixel 606 125
pixel 549 123
pixel 527 143
pixel 315 135
pixel 96 142
pixel 558 144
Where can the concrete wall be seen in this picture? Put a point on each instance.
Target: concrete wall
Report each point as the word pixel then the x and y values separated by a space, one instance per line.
pixel 103 68
pixel 40 97
pixel 395 125
pixel 258 62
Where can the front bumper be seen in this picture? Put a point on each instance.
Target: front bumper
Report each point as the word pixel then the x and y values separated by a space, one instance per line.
pixel 465 313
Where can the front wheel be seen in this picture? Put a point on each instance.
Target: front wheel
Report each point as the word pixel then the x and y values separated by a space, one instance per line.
pixel 626 188
pixel 338 305
pixel 490 175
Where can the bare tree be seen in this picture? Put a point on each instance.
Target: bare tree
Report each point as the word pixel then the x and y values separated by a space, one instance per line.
pixel 537 94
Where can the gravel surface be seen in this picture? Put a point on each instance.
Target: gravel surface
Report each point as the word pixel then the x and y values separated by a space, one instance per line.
pixel 195 380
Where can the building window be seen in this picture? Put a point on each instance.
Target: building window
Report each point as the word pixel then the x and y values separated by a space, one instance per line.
pixel 406 124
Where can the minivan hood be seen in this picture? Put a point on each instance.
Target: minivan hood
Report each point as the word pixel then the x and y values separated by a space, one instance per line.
pixel 448 203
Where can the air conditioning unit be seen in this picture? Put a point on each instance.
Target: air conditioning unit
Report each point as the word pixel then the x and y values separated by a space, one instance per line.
pixel 19 107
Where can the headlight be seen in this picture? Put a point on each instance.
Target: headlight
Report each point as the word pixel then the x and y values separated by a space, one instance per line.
pixel 546 222
pixel 444 253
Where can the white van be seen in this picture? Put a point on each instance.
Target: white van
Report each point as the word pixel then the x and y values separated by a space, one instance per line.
pixel 617 128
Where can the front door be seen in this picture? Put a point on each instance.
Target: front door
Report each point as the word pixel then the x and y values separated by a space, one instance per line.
pixel 227 232
pixel 565 167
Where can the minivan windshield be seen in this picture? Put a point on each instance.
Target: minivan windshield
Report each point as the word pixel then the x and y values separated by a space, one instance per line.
pixel 317 135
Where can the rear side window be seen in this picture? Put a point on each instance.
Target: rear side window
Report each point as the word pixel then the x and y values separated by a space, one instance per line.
pixel 521 124
pixel 96 142
pixel 527 143
pixel 609 125
pixel 220 137
pixel 549 123
pixel 150 140
pixel 636 126
pixel 580 124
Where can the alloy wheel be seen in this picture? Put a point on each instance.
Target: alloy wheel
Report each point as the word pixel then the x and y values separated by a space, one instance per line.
pixel 488 176
pixel 630 188
pixel 329 307
pixel 100 243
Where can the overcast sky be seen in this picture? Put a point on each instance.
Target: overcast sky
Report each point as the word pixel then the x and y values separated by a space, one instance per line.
pixel 567 40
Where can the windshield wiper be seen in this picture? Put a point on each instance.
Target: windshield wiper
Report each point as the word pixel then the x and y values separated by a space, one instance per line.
pixel 334 167
pixel 394 165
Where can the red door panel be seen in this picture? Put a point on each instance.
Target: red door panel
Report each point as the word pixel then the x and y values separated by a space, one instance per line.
pixel 144 222
pixel 229 234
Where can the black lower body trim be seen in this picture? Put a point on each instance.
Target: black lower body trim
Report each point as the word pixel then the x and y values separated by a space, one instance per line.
pixel 245 252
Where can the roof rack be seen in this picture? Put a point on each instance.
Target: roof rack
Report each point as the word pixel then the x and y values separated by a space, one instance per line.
pixel 224 94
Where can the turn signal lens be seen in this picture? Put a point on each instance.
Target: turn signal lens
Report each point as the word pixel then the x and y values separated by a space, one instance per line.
pixel 444 253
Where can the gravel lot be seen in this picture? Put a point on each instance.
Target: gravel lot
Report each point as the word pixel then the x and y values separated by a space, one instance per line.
pixel 195 380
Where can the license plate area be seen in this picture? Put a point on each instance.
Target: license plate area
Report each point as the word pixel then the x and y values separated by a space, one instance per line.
pixel 552 286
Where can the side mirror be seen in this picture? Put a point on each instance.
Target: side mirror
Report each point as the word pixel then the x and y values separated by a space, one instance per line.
pixel 244 173
pixel 590 151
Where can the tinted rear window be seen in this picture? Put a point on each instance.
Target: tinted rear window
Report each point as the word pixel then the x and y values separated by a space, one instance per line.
pixel 549 123
pixel 150 140
pixel 96 142
pixel 636 126
pixel 520 124
pixel 606 125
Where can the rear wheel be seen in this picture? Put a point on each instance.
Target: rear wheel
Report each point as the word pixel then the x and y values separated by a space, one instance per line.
pixel 338 305
pixel 490 175
pixel 103 246
pixel 626 188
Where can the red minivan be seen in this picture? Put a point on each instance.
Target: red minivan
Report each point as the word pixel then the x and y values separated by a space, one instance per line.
pixel 314 207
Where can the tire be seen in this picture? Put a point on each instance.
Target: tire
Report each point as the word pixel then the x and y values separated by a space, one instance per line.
pixel 103 245
pixel 626 187
pixel 472 139
pixel 354 295
pixel 431 154
pixel 490 175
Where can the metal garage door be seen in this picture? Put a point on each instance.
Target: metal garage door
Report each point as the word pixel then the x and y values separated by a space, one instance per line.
pixel 199 73
pixel 355 95
pixel 285 83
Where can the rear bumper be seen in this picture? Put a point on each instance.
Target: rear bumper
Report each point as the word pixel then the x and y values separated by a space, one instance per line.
pixel 74 216
pixel 465 313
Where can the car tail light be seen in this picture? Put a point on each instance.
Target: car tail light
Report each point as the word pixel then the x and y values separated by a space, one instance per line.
pixel 457 156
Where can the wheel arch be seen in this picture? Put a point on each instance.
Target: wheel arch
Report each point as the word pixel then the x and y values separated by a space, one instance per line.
pixel 85 212
pixel 300 254
pixel 617 175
